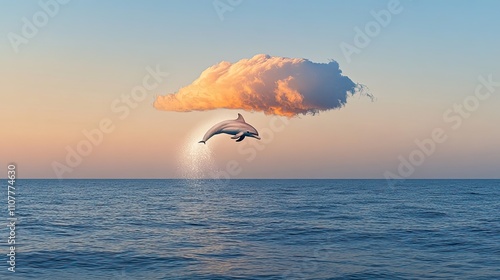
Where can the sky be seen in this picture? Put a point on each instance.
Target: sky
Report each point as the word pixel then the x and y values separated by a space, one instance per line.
pixel 68 72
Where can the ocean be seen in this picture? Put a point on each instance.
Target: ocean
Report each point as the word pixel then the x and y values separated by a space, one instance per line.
pixel 254 229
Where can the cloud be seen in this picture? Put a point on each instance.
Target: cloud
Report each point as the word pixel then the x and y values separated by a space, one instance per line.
pixel 273 85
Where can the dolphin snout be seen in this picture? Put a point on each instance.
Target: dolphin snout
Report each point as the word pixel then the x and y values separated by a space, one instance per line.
pixel 255 135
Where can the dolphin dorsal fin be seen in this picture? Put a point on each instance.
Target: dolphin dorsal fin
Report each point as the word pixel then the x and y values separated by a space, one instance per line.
pixel 240 118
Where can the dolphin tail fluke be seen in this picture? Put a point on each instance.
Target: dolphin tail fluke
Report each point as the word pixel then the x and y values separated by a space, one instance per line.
pixel 202 142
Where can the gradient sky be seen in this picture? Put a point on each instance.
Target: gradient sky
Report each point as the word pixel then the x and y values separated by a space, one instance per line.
pixel 427 59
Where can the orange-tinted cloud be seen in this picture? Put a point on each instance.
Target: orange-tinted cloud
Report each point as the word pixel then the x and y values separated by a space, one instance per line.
pixel 274 85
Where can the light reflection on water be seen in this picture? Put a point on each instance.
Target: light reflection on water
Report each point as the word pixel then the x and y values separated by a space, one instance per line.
pixel 196 159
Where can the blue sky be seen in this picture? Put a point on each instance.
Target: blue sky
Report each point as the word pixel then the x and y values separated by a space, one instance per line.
pixel 426 59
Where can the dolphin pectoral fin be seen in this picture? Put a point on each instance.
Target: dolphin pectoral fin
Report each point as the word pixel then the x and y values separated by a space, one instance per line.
pixel 241 138
pixel 238 135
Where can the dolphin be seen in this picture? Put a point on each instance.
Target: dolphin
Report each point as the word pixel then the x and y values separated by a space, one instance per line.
pixel 238 127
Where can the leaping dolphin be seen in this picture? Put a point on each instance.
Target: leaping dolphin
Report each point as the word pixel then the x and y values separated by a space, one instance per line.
pixel 238 127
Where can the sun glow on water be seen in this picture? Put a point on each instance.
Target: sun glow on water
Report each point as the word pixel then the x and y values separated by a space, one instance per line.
pixel 196 159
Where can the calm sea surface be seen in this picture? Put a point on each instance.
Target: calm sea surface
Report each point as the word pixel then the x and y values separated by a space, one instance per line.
pixel 255 229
